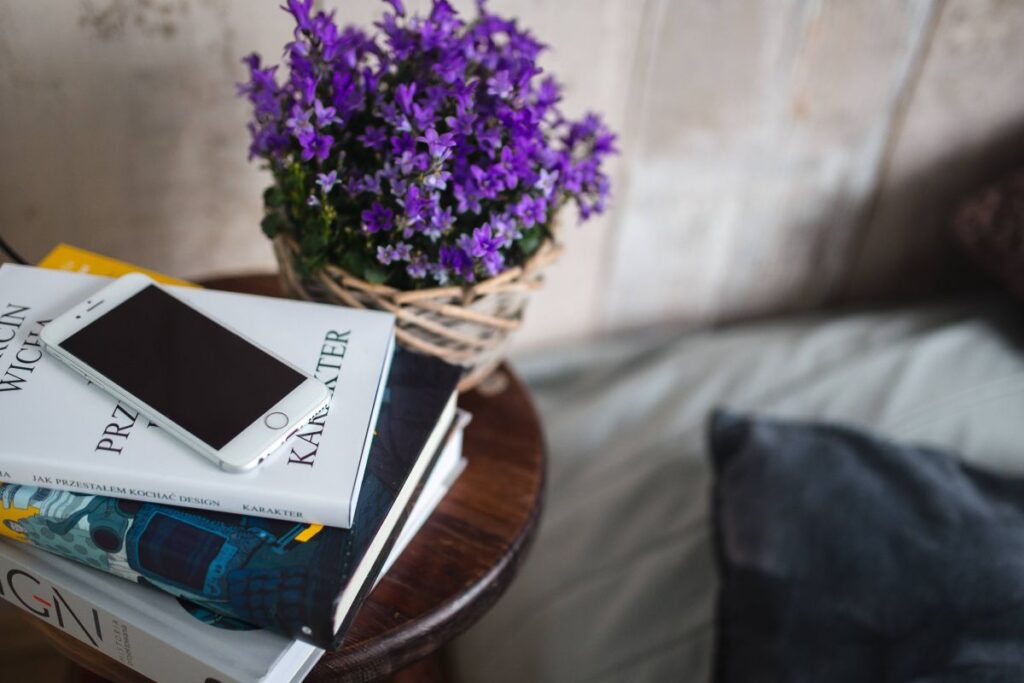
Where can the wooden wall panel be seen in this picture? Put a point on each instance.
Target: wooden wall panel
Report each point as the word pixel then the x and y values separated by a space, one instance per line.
pixel 777 155
pixel 764 129
pixel 964 125
pixel 120 131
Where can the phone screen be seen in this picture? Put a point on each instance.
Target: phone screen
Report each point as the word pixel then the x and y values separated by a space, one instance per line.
pixel 202 376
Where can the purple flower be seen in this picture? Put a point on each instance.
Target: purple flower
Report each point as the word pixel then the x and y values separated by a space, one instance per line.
pixel 441 221
pixel 416 205
pixel 377 218
pixel 403 251
pixel 509 168
pixel 300 10
pixel 393 116
pixel 485 245
pixel 444 135
pixel 298 122
pixel 549 93
pixel 531 211
pixel 490 137
pixel 456 260
pixel 373 137
pixel 506 227
pixel 485 182
pixel 267 141
pixel 546 182
pixel 315 145
pixel 410 162
pixel 324 115
pixel 422 115
pixel 440 272
pixel 327 180
pixel 348 96
pixel 261 90
pixel 304 84
pixel 485 241
pixel 398 186
pixel 499 85
pixel 438 145
pixel 451 67
pixel 463 123
pixel 465 93
pixel 494 263
pixel 404 94
pixel 390 253
pixel 402 143
pixel 437 180
pixel 367 183
pixel 466 197
pixel 417 268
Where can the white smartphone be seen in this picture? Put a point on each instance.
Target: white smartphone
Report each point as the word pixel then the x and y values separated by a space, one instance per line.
pixel 200 381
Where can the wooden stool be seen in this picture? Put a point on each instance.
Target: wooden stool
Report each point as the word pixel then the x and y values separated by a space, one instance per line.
pixel 455 568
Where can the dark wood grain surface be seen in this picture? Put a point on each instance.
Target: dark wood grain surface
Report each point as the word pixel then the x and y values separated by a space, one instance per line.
pixel 453 570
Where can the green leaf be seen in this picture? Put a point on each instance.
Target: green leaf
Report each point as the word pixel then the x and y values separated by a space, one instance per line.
pixel 374 274
pixel 363 266
pixel 313 243
pixel 273 224
pixel 531 240
pixel 273 197
pixel 353 261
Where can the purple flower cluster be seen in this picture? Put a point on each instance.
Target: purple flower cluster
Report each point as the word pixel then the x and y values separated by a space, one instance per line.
pixel 430 152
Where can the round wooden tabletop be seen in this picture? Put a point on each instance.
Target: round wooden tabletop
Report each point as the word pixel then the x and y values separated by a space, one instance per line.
pixel 455 568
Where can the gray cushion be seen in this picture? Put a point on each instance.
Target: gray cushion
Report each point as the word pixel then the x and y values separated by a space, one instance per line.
pixel 846 558
pixel 620 584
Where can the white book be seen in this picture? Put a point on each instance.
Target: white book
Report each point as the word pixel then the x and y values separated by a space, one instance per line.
pixel 143 628
pixel 61 432
pixel 450 464
pixel 152 632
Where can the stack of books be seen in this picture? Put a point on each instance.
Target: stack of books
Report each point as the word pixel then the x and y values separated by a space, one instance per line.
pixel 206 574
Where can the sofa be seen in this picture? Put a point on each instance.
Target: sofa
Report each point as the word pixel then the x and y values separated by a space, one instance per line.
pixel 621 583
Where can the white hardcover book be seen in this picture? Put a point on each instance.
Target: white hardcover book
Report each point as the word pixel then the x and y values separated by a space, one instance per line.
pixel 61 432
pixel 143 628
pixel 448 468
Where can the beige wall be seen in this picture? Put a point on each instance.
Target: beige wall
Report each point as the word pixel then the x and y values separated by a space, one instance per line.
pixel 778 154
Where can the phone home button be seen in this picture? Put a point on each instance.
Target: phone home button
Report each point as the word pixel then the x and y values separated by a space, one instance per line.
pixel 276 420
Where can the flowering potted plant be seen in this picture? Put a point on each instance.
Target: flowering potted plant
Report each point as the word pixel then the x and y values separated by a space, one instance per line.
pixel 419 169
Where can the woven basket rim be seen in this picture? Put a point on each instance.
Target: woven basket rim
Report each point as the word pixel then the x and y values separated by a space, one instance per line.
pixel 457 324
pixel 548 251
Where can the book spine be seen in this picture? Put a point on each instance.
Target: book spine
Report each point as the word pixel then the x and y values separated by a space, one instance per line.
pixel 63 604
pixel 198 494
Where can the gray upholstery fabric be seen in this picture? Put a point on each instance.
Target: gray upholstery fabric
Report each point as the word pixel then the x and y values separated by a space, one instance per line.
pixel 847 558
pixel 620 583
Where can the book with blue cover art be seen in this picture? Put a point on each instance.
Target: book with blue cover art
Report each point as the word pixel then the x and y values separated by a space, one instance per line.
pixel 172 639
pixel 298 580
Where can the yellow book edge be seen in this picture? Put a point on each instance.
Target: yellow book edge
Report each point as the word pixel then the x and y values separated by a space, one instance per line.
pixel 67 257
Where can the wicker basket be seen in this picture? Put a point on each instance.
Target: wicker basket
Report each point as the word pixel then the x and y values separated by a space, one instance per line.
pixel 466 325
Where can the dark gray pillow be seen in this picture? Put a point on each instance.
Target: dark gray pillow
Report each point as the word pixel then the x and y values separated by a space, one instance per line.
pixel 848 558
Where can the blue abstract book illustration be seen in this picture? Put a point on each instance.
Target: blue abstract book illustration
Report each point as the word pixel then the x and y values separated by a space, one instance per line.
pixel 61 432
pixel 303 581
